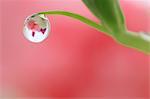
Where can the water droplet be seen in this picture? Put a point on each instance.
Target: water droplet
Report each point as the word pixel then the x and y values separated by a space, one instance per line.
pixel 36 28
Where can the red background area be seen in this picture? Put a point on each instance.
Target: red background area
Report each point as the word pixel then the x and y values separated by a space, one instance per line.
pixel 75 60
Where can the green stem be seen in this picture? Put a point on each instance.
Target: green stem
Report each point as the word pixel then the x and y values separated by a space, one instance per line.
pixel 134 40
pixel 78 17
pixel 129 39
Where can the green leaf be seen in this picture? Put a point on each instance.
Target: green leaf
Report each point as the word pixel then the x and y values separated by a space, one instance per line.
pixel 109 12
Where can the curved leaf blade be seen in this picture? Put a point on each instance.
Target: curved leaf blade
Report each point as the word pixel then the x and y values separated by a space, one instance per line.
pixel 109 12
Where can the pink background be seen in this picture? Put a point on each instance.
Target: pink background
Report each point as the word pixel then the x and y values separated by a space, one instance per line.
pixel 75 60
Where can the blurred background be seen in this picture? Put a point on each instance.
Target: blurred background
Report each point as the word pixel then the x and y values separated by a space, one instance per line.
pixel 75 60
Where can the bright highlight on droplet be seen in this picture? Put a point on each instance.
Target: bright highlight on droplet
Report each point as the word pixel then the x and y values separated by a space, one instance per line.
pixel 36 28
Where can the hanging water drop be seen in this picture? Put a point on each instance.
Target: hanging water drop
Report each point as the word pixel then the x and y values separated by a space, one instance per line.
pixel 36 28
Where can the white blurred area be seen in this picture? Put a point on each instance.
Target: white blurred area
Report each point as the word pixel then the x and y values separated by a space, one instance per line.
pixel 140 2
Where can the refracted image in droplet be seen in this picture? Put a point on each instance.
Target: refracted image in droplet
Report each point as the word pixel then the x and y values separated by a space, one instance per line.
pixel 36 28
